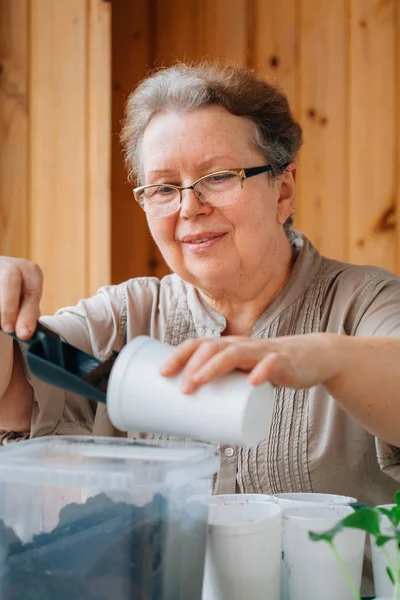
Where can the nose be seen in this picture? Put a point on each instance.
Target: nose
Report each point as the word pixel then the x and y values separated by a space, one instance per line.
pixel 192 206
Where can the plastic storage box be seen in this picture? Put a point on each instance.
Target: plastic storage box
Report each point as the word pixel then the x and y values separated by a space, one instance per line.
pixel 88 518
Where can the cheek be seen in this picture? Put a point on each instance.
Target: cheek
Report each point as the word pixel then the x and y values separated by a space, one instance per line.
pixel 255 215
pixel 163 233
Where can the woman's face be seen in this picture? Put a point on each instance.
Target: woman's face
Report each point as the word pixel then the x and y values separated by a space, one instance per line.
pixel 247 236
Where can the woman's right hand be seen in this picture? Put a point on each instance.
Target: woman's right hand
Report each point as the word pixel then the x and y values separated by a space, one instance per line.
pixel 21 285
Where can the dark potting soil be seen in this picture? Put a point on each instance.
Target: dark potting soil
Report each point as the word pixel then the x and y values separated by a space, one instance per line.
pixel 100 550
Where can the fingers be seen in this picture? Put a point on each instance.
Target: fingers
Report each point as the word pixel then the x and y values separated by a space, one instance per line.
pixel 10 293
pixel 291 361
pixel 21 284
pixel 202 356
pixel 238 356
pixel 266 370
pixel 180 357
pixel 29 312
pixel 204 360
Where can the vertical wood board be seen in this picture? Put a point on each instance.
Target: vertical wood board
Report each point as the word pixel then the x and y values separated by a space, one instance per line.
pixel 372 227
pixel 274 37
pixel 98 107
pixel 131 58
pixel 322 181
pixel 58 148
pixel 14 128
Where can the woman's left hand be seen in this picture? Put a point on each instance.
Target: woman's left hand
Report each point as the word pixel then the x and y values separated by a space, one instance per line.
pixel 300 361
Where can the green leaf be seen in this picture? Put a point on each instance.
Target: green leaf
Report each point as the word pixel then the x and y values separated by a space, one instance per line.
pixel 397 498
pixel 381 540
pixel 385 511
pixel 389 572
pixel 326 536
pixel 366 519
pixel 360 505
pixel 393 514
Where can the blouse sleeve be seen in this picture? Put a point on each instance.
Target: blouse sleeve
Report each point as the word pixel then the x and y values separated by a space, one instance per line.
pixel 379 315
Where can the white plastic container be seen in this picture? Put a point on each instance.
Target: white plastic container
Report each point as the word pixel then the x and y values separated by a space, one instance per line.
pixel 244 549
pixel 226 411
pixel 103 518
pixel 309 569
pixel 291 500
pixel 382 583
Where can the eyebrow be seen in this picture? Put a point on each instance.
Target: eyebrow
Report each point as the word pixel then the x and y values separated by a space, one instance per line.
pixel 202 164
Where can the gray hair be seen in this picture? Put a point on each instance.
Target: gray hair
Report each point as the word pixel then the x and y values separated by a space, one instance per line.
pixel 185 87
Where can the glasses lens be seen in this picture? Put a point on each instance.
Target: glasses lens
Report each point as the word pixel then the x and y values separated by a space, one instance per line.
pixel 159 200
pixel 219 189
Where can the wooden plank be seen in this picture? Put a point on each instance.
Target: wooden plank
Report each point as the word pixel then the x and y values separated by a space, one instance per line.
pixel 273 38
pixel 397 159
pixel 99 145
pixel 58 148
pixel 222 30
pixel 131 58
pixel 174 36
pixel 14 107
pixel 372 168
pixel 322 178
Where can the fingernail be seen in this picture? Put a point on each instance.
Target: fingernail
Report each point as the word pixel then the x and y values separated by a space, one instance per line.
pixel 186 387
pixel 8 328
pixel 24 332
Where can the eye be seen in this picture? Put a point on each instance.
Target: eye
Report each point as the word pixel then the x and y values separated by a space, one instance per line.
pixel 220 177
pixel 164 190
pixel 158 191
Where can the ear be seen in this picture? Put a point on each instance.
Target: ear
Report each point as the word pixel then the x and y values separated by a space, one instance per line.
pixel 286 185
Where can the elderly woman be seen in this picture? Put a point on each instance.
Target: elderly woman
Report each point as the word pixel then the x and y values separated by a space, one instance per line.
pixel 214 149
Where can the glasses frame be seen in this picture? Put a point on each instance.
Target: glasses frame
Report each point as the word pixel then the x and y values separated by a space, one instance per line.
pixel 241 172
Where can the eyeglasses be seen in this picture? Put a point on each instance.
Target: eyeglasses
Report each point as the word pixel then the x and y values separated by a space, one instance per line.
pixel 216 189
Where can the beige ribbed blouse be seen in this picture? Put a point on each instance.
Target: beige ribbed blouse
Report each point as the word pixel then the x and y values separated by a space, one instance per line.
pixel 313 445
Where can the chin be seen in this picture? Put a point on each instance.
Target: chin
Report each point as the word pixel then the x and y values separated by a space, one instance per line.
pixel 211 277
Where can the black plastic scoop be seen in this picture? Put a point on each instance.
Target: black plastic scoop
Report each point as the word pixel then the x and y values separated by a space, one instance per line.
pixel 58 363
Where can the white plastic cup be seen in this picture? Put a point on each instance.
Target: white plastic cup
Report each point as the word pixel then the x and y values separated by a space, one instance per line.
pixel 309 569
pixel 291 500
pixel 226 411
pixel 383 585
pixel 243 549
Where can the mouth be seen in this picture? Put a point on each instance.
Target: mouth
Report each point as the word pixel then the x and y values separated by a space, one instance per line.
pixel 198 243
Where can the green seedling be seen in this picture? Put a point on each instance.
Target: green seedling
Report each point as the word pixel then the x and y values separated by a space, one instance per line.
pixel 368 518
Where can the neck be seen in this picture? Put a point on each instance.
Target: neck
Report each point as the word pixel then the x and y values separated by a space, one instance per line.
pixel 243 305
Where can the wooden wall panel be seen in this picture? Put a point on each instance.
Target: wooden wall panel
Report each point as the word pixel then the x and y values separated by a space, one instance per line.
pixel 222 30
pixel 132 56
pixel 58 148
pixel 174 31
pixel 274 44
pixel 322 175
pixel 98 114
pixel 14 127
pixel 397 155
pixel 373 135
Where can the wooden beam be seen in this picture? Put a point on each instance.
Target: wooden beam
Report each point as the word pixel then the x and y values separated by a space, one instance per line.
pixel 131 58
pixel 98 106
pixel 373 136
pixel 274 37
pixel 322 180
pixel 397 156
pixel 58 148
pixel 221 27
pixel 14 128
